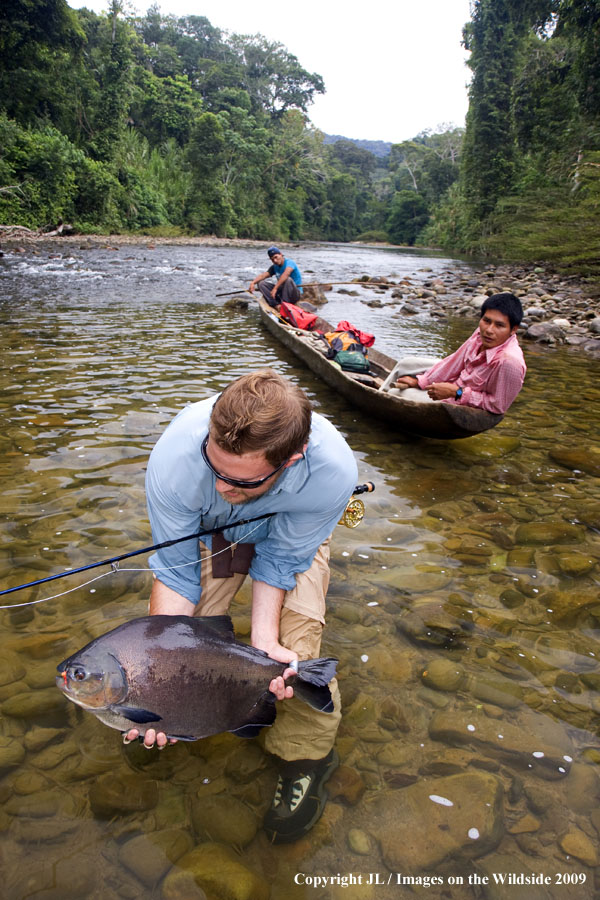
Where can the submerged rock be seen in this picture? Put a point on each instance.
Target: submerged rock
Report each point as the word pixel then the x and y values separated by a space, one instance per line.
pixel 218 872
pixel 583 459
pixel 458 817
pixel 224 819
pixel 150 856
pixel 119 794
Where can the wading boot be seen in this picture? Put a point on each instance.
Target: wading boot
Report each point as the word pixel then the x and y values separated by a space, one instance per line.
pixel 300 797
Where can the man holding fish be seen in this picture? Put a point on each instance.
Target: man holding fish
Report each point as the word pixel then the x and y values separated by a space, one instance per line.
pixel 256 449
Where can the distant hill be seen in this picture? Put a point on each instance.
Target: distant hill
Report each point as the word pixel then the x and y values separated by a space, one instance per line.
pixel 377 148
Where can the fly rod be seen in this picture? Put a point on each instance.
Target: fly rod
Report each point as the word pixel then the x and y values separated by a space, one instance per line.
pixel 359 489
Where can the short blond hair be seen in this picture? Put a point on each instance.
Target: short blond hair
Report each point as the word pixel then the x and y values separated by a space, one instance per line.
pixel 262 411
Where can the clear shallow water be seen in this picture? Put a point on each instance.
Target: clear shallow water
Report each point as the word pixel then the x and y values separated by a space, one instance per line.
pixel 100 349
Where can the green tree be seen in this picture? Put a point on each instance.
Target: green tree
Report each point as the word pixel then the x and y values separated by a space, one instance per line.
pixel 408 216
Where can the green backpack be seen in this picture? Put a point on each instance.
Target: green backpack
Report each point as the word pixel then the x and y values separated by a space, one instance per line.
pixel 352 361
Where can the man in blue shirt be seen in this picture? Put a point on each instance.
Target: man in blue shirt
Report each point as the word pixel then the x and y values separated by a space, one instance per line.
pixel 257 448
pixel 287 285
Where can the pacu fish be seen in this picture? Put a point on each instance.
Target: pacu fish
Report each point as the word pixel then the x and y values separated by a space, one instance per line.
pixel 186 676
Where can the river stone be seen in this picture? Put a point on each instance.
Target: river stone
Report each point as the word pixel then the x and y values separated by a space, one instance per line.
pixel 11 668
pixel 219 872
pixel 55 754
pixel 526 825
pixel 382 664
pixel 346 783
pixel 224 820
pixel 535 742
pixel 460 816
pixel 36 806
pixel 493 688
pixel 489 445
pixel 30 782
pixel 576 843
pixel 584 459
pixel 360 842
pixel 520 558
pixel 549 533
pixel 575 564
pixel 11 753
pixel 37 738
pixel 432 624
pixel 181 886
pixel 415 582
pixel 567 605
pixel 62 875
pixel 443 675
pixel 498 864
pixel 40 646
pixel 30 705
pixel 583 788
pixel 150 856
pixel 121 794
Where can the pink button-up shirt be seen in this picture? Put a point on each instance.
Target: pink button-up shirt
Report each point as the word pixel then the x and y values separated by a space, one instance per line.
pixel 490 379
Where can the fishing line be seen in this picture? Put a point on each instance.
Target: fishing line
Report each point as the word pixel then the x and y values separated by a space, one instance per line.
pixel 115 568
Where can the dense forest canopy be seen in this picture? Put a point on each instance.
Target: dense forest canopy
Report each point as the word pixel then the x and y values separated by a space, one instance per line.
pixel 167 124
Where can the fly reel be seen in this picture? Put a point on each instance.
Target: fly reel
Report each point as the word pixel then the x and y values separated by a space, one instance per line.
pixel 353 514
pixel 355 509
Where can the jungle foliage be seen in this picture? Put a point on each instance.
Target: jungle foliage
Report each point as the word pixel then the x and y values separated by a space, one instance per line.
pixel 529 185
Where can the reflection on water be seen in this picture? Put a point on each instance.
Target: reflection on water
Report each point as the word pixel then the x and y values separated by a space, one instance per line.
pixel 464 610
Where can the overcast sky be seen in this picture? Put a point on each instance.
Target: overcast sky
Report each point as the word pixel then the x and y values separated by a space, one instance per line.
pixel 391 69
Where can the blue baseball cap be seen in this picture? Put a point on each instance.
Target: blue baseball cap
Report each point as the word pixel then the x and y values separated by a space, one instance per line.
pixel 272 251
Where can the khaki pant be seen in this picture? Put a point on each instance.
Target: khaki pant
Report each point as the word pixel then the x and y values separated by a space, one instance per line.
pixel 299 731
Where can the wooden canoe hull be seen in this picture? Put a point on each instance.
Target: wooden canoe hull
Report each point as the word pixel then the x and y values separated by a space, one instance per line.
pixel 432 420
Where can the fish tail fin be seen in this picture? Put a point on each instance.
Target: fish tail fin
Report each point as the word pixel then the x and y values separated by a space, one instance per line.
pixel 311 682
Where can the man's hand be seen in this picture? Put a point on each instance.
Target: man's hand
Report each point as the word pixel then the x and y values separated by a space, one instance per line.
pixel 442 390
pixel 407 381
pixel 278 685
pixel 274 292
pixel 150 738
pixel 252 286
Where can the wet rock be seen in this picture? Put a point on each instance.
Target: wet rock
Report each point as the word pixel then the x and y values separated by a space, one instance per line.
pixel 488 445
pixel 40 646
pixel 11 668
pixel 63 875
pixel 347 784
pixel 245 763
pixel 549 533
pixel 55 754
pixel 443 675
pixel 418 582
pixel 528 824
pixel 150 856
pixel 576 843
pixel 37 738
pixel 120 794
pixel 565 606
pixel 493 688
pixel 224 819
pixel 383 664
pixel 575 564
pixel 432 624
pixel 30 782
pixel 360 842
pixel 582 459
pixel 583 788
pixel 459 817
pixel 236 303
pixel 545 333
pixel 32 705
pixel 533 742
pixel 498 864
pixel 394 754
pixel 181 886
pixel 218 872
pixel 11 753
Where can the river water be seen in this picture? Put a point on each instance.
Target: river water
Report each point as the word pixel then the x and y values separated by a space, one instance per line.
pixel 464 609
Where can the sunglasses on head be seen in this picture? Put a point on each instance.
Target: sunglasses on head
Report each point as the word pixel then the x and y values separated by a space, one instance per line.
pixel 236 482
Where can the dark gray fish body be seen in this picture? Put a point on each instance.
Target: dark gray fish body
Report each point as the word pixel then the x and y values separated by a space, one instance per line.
pixel 186 676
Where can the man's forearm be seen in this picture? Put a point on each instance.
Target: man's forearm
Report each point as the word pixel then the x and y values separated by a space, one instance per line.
pixel 164 601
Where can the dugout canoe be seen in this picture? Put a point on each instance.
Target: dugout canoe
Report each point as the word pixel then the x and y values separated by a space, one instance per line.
pixel 446 421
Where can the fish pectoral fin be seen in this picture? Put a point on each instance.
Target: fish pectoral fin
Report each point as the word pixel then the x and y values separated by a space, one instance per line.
pixel 139 716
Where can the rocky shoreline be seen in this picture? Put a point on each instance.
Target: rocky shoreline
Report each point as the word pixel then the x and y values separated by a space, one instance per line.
pixel 559 310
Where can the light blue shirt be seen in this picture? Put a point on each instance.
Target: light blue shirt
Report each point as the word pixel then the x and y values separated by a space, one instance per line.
pixel 308 499
pixel 294 274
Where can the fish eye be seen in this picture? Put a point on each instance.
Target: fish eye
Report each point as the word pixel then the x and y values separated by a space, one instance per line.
pixel 78 673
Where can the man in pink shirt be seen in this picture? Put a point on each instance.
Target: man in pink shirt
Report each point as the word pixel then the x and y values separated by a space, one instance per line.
pixel 488 370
